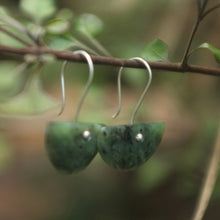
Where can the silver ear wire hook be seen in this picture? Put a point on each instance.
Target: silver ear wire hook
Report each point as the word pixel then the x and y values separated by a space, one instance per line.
pixel 63 87
pixel 143 93
pixel 88 84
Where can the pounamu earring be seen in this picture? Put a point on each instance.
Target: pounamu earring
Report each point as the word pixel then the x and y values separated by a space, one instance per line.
pixel 126 147
pixel 71 146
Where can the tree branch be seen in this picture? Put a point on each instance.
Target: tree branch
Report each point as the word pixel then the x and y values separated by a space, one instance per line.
pixel 18 26
pixel 210 10
pixel 195 28
pixel 111 61
pixel 185 56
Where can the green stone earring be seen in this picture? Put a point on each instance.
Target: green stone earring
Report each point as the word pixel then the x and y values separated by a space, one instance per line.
pixel 71 146
pixel 126 147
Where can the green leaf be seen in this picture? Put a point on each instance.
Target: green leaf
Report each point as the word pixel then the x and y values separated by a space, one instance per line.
pixel 60 43
pixel 32 101
pixel 156 51
pixel 57 26
pixel 36 30
pixel 47 58
pixel 90 24
pixel 214 50
pixel 39 10
pixel 12 79
pixel 65 14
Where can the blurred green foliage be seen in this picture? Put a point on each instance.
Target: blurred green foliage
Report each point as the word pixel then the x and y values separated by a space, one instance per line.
pixel 155 51
pixel 214 50
pixel 38 10
pixel 168 184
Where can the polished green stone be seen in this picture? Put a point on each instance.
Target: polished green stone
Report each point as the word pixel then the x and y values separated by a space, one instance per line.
pixel 119 147
pixel 68 149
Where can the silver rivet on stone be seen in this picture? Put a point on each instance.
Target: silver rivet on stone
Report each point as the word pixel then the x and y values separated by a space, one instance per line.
pixel 139 137
pixel 86 134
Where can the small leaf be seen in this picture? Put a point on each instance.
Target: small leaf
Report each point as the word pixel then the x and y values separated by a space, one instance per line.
pixel 65 14
pixel 47 58
pixel 36 30
pixel 7 76
pixel 57 26
pixel 90 24
pixel 12 79
pixel 30 58
pixel 155 51
pixel 39 10
pixel 214 50
pixel 60 43
pixel 32 101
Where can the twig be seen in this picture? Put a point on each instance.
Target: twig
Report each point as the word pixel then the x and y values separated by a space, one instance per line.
pixel 208 182
pixel 185 56
pixel 16 37
pixel 102 51
pixel 203 7
pixel 18 26
pixel 209 11
pixel 192 35
pixel 111 61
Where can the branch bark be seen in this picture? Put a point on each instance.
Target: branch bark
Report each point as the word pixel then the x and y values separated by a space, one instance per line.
pixel 111 61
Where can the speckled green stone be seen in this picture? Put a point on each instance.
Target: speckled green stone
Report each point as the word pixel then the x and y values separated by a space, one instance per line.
pixel 67 148
pixel 120 149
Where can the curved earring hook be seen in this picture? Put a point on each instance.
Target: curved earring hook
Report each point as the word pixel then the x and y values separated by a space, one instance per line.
pixel 88 84
pixel 63 87
pixel 143 93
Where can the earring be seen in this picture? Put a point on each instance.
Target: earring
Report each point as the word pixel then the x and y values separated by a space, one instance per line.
pixel 71 146
pixel 126 147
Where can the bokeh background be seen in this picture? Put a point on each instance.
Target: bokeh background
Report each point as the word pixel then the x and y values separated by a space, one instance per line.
pixel 167 186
